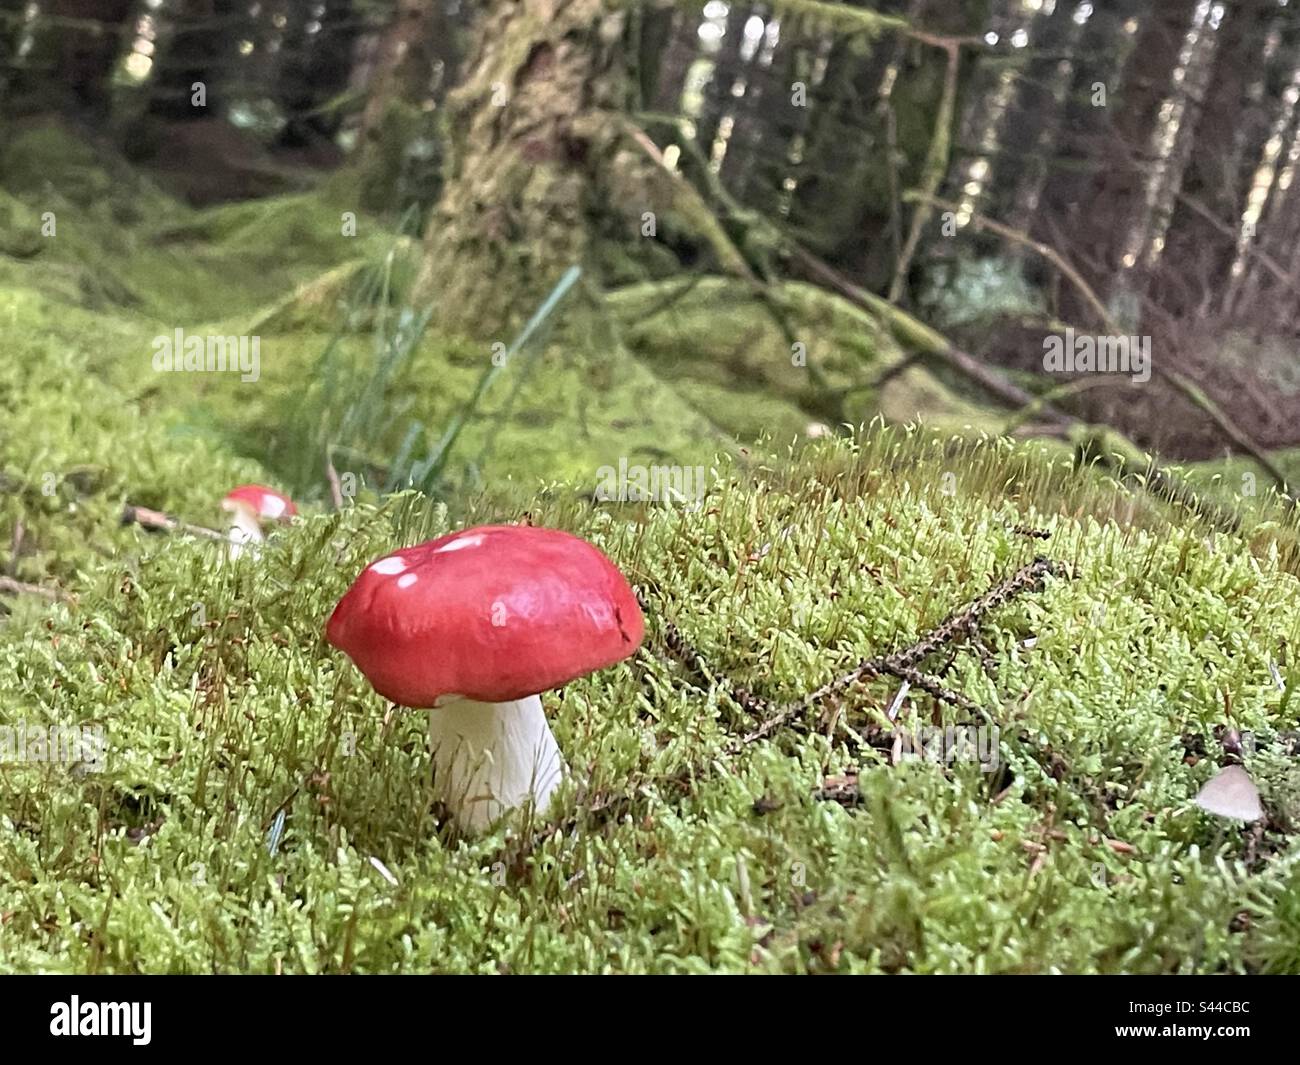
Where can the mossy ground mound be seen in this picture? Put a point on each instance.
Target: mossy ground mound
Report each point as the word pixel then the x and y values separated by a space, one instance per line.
pixel 222 706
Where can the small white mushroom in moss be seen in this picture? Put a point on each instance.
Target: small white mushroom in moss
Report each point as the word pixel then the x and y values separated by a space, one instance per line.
pixel 1231 793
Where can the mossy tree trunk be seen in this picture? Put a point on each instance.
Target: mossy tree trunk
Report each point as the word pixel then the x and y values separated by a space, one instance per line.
pixel 537 159
pixel 401 62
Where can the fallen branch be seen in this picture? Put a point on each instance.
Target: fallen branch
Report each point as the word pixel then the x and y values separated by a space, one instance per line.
pixel 902 664
pixel 1180 383
pixel 922 338
pixel 692 205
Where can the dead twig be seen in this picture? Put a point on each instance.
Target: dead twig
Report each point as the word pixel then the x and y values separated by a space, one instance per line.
pixel 157 520
pixel 16 587
pixel 332 475
pixel 608 805
pixel 901 664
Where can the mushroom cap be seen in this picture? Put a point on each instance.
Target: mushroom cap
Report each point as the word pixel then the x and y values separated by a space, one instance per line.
pixel 265 502
pixel 493 613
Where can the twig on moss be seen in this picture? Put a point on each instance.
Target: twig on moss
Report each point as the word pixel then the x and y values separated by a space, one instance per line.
pixel 16 587
pixel 867 669
pixel 157 520
pixel 901 664
pixel 689 655
pixel 604 806
pixel 332 476
pixel 965 621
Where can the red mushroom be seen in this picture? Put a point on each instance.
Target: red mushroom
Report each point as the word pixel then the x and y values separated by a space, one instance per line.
pixel 250 505
pixel 472 627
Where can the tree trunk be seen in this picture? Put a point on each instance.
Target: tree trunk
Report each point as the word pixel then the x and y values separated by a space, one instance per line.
pixel 70 62
pixel 843 207
pixel 1085 136
pixel 534 139
pixel 1029 131
pixel 668 47
pixel 89 49
pixel 1113 211
pixel 1216 179
pixel 199 50
pixel 315 71
pixel 728 70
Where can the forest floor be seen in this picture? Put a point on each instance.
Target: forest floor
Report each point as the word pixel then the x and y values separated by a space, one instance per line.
pixel 259 809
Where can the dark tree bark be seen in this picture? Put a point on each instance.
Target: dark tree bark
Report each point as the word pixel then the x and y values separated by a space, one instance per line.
pixel 766 122
pixel 86 55
pixel 1105 216
pixel 69 68
pixel 400 62
pixel 11 20
pixel 315 70
pixel 1199 253
pixel 843 204
pixel 200 49
pixel 1032 124
pixel 674 60
pixel 1086 130
pixel 1254 293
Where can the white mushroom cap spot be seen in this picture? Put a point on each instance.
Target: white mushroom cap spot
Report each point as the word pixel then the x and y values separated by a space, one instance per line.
pixel 407 581
pixel 392 564
pixel 272 506
pixel 460 542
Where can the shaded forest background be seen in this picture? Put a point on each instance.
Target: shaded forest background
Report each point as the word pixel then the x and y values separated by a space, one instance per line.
pixel 999 170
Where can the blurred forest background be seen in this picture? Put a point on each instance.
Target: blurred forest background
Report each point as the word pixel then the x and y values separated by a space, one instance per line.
pixel 953 180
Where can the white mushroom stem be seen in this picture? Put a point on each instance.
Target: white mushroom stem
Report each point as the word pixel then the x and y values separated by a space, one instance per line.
pixel 492 757
pixel 245 528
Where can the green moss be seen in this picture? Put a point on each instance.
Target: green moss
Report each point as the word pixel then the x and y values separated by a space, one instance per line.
pixel 160 861
pixel 221 704
pixel 768 364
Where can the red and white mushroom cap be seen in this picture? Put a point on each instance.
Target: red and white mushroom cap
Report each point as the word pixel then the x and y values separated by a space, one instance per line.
pixel 493 613
pixel 266 503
